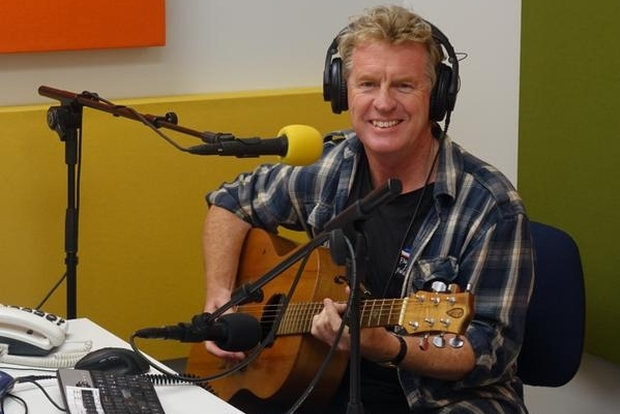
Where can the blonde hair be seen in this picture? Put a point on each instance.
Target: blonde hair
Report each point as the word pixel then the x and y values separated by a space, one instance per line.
pixel 392 24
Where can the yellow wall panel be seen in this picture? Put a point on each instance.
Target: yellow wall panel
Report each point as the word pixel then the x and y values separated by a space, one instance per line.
pixel 142 205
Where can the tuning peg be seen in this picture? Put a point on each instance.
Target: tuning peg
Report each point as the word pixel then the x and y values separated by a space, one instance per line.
pixel 439 341
pixel 414 325
pixel 423 344
pixel 456 342
pixel 439 286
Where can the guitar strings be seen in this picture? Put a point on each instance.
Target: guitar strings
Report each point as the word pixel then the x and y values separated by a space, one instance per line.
pixel 315 307
pixel 297 316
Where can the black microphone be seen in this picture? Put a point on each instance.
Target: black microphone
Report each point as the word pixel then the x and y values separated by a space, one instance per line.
pixel 231 332
pixel 295 144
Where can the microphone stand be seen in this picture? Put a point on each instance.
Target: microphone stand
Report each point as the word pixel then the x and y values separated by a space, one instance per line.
pixel 355 377
pixel 355 214
pixel 66 120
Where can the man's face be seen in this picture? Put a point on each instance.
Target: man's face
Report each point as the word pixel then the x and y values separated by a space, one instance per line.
pixel 389 96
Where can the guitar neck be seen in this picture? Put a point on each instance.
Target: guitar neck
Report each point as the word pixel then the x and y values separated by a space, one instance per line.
pixel 374 312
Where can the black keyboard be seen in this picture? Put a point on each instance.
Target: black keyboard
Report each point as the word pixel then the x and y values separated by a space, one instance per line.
pixel 96 392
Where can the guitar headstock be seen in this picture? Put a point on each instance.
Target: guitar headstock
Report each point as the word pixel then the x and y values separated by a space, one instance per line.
pixel 432 312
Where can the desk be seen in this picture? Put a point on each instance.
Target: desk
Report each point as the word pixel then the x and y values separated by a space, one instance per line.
pixel 176 399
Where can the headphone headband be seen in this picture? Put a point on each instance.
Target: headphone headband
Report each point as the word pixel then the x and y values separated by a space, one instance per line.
pixel 443 95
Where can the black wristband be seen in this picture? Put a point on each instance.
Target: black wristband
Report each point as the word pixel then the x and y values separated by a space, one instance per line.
pixel 395 362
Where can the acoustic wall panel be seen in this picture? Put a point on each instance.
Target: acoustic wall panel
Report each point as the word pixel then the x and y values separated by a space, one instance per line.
pixel 42 25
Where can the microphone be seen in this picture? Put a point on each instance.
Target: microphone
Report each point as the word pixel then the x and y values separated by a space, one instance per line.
pixel 231 332
pixel 295 144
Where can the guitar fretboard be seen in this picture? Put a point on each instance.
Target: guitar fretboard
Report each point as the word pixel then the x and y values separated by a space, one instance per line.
pixel 375 312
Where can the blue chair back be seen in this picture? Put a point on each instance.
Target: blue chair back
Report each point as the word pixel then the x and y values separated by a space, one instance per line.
pixel 555 327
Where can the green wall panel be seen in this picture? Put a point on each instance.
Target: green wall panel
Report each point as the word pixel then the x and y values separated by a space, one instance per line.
pixel 569 146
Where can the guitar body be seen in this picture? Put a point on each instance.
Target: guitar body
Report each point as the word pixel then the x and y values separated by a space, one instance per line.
pixel 282 371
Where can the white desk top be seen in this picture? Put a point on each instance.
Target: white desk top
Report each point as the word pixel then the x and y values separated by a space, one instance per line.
pixel 175 399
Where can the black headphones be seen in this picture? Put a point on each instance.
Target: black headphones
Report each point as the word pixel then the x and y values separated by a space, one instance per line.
pixel 443 95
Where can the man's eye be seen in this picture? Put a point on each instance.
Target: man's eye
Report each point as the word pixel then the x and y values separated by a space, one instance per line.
pixel 366 84
pixel 405 87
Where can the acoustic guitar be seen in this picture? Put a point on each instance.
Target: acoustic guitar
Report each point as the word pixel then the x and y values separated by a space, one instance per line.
pixel 283 370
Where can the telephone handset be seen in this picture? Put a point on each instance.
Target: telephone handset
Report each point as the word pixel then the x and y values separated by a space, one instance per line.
pixel 30 331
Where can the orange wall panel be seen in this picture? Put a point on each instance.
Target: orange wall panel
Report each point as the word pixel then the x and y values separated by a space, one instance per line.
pixel 43 25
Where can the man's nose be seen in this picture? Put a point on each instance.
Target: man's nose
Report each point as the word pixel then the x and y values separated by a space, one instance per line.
pixel 385 100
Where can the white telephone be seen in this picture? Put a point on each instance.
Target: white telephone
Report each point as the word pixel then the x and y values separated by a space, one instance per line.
pixel 30 332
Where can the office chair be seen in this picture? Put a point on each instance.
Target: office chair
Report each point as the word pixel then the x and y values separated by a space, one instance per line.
pixel 555 324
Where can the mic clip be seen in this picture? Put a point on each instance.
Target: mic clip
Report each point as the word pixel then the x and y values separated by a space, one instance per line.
pixel 202 320
pixel 217 137
pixel 158 121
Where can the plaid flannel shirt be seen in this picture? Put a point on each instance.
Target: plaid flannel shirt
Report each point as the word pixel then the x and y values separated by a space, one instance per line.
pixel 477 234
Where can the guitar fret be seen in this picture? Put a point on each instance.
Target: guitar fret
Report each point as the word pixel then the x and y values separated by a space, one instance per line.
pixel 286 321
pixel 293 310
pixel 381 317
pixel 303 319
pixel 365 313
pixel 380 312
pixel 273 316
pixel 298 317
pixel 296 314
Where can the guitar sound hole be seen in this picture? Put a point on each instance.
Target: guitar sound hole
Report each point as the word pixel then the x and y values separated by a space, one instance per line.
pixel 271 312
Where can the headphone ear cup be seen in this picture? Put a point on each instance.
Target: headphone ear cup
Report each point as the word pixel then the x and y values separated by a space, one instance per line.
pixel 440 95
pixel 338 87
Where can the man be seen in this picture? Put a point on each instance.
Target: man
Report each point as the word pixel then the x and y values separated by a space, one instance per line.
pixel 457 220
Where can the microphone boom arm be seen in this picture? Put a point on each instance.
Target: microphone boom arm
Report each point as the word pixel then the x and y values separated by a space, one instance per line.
pixel 92 100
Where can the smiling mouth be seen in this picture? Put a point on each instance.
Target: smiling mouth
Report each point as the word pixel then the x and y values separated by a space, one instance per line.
pixel 385 124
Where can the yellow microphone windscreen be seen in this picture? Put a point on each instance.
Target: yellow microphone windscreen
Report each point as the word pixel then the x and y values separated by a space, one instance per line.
pixel 305 144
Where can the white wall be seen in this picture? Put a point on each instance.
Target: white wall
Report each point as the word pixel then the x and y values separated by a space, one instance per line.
pixel 593 390
pixel 226 45
pixel 486 117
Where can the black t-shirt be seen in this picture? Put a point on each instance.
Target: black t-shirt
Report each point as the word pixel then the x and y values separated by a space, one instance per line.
pixel 388 231
pixel 385 231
